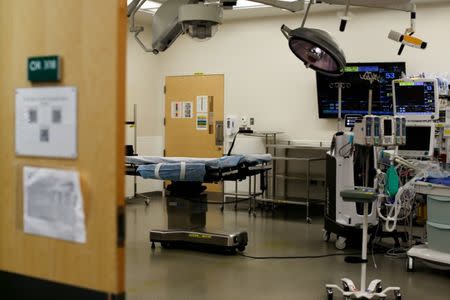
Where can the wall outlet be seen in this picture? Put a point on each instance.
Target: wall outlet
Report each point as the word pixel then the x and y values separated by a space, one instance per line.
pixel 244 121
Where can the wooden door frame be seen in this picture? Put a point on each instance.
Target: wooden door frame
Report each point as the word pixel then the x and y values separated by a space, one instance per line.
pixel 35 267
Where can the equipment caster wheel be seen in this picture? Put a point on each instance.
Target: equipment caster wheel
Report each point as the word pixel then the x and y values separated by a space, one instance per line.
pixel 308 220
pixel 241 248
pixel 221 209
pixel 410 264
pixel 326 235
pixel 329 294
pixel 340 243
pixel 153 245
pixel 379 288
pixel 398 295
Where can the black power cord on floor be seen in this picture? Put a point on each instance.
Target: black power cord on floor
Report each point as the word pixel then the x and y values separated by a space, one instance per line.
pixel 307 256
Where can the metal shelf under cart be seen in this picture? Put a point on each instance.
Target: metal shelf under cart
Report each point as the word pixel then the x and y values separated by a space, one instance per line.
pixel 308 177
pixel 252 190
pixel 270 137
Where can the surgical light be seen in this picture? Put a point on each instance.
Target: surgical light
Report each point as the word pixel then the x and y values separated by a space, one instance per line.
pixel 200 21
pixel 317 49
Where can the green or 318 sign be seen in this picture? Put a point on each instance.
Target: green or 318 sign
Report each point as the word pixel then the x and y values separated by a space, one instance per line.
pixel 44 68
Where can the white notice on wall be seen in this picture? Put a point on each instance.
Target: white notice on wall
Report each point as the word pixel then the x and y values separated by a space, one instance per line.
pixel 202 104
pixel 176 109
pixel 53 204
pixel 46 122
pixel 187 109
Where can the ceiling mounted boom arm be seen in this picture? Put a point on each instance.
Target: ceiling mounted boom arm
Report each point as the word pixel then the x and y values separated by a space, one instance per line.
pixel 292 6
pixel 133 7
pixel 406 39
pixel 404 5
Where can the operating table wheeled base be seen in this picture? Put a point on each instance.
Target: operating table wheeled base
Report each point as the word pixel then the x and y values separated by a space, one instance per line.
pixel 220 241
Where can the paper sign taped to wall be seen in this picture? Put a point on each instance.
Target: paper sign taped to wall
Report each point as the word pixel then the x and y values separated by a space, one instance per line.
pixel 46 122
pixel 202 121
pixel 53 204
pixel 187 109
pixel 176 109
pixel 446 131
pixel 202 104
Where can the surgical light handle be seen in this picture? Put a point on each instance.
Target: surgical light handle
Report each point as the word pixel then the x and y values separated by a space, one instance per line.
pixel 345 18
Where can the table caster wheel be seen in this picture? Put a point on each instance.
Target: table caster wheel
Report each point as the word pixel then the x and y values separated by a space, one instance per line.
pixel 308 220
pixel 147 202
pixel 329 294
pixel 340 243
pixel 326 235
pixel 221 209
pixel 165 245
pixel 398 295
pixel 410 264
pixel 153 245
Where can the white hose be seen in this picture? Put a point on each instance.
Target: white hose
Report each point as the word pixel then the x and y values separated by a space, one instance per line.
pixel 402 203
pixel 402 206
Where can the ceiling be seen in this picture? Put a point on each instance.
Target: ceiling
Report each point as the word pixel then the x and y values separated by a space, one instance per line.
pixel 259 12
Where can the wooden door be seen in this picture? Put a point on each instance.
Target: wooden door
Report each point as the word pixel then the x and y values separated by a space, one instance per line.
pixel 197 134
pixel 90 38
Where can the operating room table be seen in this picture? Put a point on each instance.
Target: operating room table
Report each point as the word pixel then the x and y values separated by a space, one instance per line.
pixel 186 200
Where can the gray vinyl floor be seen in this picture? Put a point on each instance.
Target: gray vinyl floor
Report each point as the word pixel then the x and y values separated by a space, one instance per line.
pixel 186 274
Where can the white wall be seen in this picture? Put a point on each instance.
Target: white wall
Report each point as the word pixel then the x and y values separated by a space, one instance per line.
pixel 142 85
pixel 264 80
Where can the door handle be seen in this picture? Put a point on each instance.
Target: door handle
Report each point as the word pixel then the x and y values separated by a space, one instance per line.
pixel 219 133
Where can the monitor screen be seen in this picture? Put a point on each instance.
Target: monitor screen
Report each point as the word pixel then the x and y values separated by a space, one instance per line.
pixel 355 94
pixel 419 141
pixel 415 97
